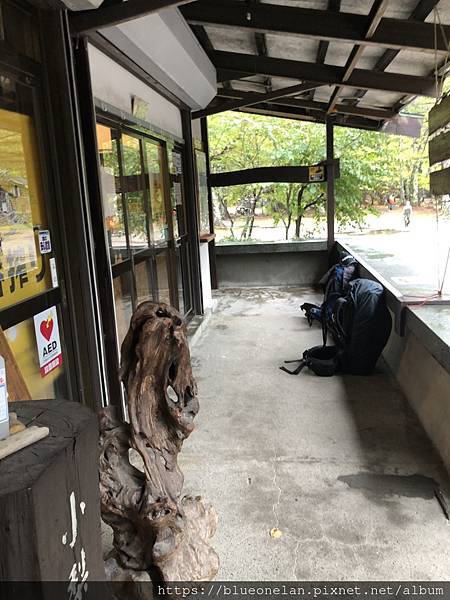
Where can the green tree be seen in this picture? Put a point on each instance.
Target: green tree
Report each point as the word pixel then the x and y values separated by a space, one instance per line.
pixel 372 166
pixel 239 141
pixel 296 144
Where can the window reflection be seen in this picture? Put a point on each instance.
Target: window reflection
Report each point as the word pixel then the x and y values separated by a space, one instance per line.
pixel 123 303
pixel 202 185
pixel 23 270
pixel 144 281
pixel 177 205
pixel 154 163
pixel 138 221
pixel 112 199
pixel 162 268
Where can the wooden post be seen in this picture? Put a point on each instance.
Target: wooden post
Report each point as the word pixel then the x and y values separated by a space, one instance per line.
pixel 49 500
pixel 212 243
pixel 330 182
pixel 92 164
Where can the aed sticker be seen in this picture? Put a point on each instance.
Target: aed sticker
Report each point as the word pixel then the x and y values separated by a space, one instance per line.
pixel 317 173
pixel 48 341
pixel 45 243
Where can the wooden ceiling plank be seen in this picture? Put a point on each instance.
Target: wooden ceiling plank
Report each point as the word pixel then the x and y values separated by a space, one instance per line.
pixel 318 24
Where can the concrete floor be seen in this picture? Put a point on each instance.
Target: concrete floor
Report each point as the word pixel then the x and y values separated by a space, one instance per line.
pixel 327 461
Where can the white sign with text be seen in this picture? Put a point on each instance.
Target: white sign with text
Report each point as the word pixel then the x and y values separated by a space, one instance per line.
pixel 48 340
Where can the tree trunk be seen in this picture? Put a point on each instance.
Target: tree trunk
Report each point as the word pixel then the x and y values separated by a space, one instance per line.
pixel 298 220
pixel 287 227
pixel 227 214
pixel 250 220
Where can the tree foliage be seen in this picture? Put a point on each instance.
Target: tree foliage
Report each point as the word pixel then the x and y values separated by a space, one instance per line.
pixel 373 165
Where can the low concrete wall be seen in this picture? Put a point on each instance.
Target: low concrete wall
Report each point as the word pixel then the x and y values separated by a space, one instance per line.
pixel 284 264
pixel 426 385
pixel 418 354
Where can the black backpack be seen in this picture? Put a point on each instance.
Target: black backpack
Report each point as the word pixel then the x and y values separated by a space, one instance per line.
pixel 359 323
pixel 335 284
pixel 361 326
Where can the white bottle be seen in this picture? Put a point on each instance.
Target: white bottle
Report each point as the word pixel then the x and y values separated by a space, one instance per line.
pixel 4 413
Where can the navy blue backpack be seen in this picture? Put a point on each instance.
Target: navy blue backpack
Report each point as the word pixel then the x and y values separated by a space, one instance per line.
pixel 354 314
pixel 335 284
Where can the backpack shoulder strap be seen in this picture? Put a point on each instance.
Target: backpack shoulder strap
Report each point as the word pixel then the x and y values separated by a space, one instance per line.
pixel 302 363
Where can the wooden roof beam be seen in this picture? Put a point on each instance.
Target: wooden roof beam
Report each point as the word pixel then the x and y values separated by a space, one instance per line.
pixel 261 49
pixel 255 98
pixel 376 13
pixel 335 6
pixel 420 13
pixel 291 112
pixel 247 65
pixel 305 103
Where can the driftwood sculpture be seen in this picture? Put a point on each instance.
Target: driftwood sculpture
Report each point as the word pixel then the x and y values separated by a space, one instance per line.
pixel 158 535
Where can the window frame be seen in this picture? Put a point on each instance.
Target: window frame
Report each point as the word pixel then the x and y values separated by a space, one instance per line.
pixel 168 247
pixel 26 72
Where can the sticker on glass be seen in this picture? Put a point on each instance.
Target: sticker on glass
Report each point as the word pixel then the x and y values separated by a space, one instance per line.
pixel 48 340
pixel 45 243
pixel 53 272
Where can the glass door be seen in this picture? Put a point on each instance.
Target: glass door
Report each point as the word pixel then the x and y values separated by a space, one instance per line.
pixel 144 222
pixel 181 237
pixel 162 235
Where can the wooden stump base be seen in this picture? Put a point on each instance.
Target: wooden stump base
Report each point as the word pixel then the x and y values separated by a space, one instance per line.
pixel 159 535
pixel 194 560
pixel 49 501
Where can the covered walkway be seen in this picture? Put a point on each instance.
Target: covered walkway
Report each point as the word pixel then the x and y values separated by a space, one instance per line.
pixel 340 466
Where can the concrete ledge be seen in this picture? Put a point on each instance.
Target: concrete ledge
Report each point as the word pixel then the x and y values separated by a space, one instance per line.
pixel 426 385
pixel 418 355
pixel 271 247
pixel 431 339
pixel 407 316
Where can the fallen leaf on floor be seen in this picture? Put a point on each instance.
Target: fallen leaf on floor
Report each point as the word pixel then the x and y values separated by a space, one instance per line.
pixel 275 532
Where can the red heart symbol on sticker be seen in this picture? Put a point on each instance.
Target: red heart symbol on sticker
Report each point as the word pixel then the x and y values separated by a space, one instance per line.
pixel 46 328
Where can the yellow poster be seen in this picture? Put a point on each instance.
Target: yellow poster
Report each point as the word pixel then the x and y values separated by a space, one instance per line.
pixel 23 271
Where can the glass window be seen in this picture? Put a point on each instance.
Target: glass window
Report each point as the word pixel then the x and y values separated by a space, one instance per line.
pixel 144 281
pixel 162 268
pixel 148 177
pixel 123 303
pixel 19 28
pixel 26 256
pixel 177 204
pixel 24 271
pixel 22 341
pixel 112 198
pixel 138 219
pixel 202 184
pixel 154 167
